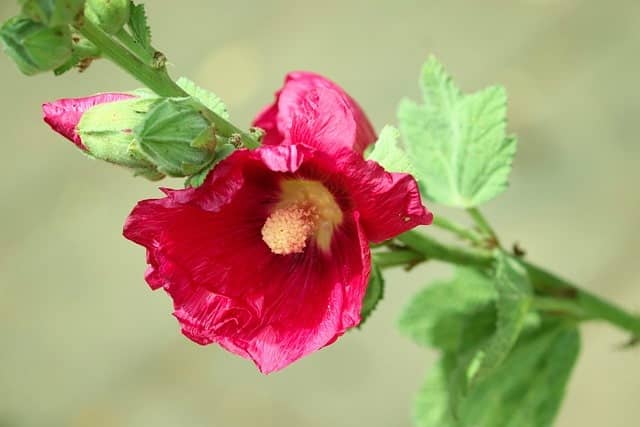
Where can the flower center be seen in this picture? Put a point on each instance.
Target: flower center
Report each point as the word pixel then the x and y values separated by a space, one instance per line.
pixel 287 229
pixel 306 209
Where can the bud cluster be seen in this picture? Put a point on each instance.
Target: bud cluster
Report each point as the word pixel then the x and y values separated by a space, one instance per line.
pixel 44 36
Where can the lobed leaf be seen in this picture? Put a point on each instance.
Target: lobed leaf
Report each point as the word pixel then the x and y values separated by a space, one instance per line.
pixel 456 143
pixel 388 153
pixel 436 315
pixel 525 391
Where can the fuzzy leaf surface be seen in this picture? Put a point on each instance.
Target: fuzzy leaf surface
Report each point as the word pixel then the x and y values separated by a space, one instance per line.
pixel 456 143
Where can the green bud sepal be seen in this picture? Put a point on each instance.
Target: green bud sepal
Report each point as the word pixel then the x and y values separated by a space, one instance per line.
pixel 33 46
pixel 110 16
pixel 153 136
pixel 177 136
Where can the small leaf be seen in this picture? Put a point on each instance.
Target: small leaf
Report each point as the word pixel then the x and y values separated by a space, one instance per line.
pixel 525 391
pixel 436 315
pixel 206 98
pixel 374 294
pixel 139 26
pixel 388 154
pixel 457 144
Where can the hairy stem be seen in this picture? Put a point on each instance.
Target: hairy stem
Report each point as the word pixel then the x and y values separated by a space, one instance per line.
pixel 592 305
pixel 430 248
pixel 406 257
pixel 156 79
pixel 552 292
pixel 483 225
pixel 458 230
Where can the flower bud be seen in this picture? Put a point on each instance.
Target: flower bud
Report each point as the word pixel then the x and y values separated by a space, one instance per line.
pixel 52 12
pixel 177 137
pixel 152 136
pixel 33 46
pixel 110 16
pixel 101 126
pixel 106 130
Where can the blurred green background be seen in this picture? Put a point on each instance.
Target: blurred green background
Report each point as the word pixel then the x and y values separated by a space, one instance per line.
pixel 84 342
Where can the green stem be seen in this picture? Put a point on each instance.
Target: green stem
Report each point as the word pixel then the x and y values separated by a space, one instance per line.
pixel 483 224
pixel 433 249
pixel 156 79
pixel 563 306
pixel 592 305
pixel 397 258
pixel 552 292
pixel 457 229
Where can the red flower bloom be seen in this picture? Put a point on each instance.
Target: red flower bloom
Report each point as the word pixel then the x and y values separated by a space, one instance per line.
pixel 270 256
pixel 346 122
pixel 64 115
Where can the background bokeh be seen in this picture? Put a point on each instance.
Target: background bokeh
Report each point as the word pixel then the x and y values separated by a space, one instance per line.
pixel 83 342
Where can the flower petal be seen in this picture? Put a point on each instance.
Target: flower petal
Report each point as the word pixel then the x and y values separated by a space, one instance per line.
pixel 205 249
pixel 64 115
pixel 389 203
pixel 329 103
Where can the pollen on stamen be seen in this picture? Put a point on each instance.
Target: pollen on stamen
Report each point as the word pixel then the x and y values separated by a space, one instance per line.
pixel 288 228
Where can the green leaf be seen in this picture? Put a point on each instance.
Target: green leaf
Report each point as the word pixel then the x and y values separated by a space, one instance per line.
pixel 525 391
pixel 138 25
pixel 387 153
pixel 176 137
pixel 514 300
pixel 436 315
pixel 456 143
pixel 206 98
pixel 374 294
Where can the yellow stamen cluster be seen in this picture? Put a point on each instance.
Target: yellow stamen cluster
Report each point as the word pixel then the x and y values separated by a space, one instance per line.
pixel 287 229
pixel 306 209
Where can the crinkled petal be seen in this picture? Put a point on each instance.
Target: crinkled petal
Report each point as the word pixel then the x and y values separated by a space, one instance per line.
pixel 332 111
pixel 64 115
pixel 389 203
pixel 227 286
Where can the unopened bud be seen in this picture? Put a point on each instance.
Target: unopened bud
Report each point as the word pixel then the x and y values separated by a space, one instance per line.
pixel 110 15
pixel 33 46
pixel 101 126
pixel 153 136
pixel 52 12
pixel 106 131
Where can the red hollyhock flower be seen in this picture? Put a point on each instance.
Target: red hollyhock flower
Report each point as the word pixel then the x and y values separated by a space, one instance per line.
pixel 276 119
pixel 270 256
pixel 64 115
